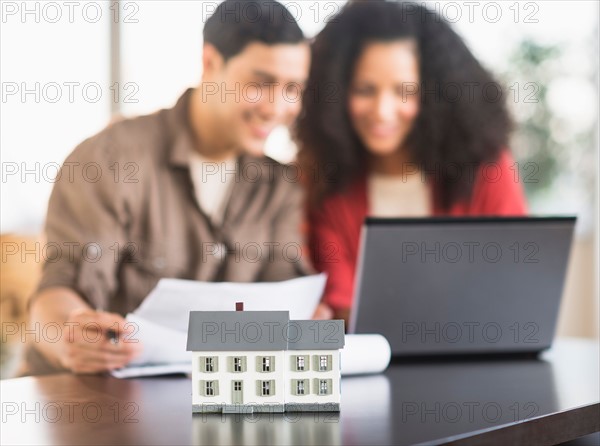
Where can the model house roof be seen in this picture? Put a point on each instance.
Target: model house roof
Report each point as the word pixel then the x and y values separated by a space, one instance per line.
pixel 315 335
pixel 260 331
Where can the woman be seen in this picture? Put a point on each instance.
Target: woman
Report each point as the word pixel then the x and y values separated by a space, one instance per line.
pixel 401 120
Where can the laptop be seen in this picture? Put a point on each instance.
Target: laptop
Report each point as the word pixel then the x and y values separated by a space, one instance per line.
pixel 461 286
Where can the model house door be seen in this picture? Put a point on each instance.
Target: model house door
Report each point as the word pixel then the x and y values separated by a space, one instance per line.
pixel 236 394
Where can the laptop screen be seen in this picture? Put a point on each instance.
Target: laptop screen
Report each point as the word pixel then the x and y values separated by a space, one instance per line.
pixel 461 285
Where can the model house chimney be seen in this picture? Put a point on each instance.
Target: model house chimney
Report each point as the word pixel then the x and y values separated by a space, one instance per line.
pixel 239 306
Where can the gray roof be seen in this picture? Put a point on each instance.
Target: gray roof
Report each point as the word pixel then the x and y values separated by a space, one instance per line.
pixel 315 335
pixel 237 330
pixel 259 331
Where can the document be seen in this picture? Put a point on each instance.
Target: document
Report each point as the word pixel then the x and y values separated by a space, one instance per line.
pixel 153 370
pixel 161 321
pixel 171 301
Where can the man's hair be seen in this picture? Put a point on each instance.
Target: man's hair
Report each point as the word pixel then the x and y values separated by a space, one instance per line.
pixel 237 23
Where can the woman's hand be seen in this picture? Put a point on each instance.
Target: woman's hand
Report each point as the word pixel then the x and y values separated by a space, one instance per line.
pixel 323 312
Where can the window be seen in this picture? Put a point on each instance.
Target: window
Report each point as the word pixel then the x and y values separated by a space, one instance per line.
pixel 323 363
pixel 209 388
pixel 300 387
pixel 323 386
pixel 237 364
pixel 237 386
pixel 266 388
pixel 209 364
pixel 70 113
pixel 265 363
pixel 300 363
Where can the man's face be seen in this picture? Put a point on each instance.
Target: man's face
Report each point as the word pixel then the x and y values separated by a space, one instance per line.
pixel 255 91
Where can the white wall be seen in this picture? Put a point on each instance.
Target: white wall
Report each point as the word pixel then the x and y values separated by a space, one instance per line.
pixel 282 375
pixel 64 66
pixel 311 375
pixel 250 376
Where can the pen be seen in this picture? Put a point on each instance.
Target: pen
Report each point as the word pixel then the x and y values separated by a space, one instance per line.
pixel 112 336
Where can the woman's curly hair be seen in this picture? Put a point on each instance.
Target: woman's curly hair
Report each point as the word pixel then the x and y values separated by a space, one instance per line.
pixel 463 120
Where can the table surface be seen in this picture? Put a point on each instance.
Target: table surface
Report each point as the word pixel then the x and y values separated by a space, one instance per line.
pixel 547 400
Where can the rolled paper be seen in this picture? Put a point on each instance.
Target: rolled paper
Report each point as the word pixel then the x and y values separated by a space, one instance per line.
pixel 365 354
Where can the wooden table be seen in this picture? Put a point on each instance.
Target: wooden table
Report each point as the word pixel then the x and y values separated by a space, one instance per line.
pixel 550 400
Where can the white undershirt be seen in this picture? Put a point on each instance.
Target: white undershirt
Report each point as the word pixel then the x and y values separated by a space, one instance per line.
pixel 212 183
pixel 398 196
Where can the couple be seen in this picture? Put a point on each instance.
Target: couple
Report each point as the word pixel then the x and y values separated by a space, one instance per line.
pixel 408 131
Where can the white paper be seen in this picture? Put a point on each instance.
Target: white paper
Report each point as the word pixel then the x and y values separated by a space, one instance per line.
pixel 161 320
pixel 153 370
pixel 160 345
pixel 365 354
pixel 170 303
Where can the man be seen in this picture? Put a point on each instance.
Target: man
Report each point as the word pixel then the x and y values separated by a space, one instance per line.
pixel 184 192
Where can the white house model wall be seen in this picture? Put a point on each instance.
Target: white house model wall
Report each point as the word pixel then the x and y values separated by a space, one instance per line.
pixel 260 361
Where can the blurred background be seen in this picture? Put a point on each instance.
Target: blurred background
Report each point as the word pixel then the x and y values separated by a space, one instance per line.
pixel 68 68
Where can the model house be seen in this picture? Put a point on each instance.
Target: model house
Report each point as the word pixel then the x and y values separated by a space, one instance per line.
pixel 261 361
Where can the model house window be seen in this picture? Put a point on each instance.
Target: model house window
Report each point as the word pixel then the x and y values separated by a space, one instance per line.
pixel 209 364
pixel 323 363
pixel 323 386
pixel 265 363
pixel 237 385
pixel 266 388
pixel 238 364
pixel 301 387
pixel 300 363
pixel 209 388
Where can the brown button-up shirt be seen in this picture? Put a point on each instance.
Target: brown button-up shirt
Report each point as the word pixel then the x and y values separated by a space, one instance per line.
pixel 124 214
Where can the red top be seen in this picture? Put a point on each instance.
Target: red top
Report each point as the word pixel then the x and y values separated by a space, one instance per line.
pixel 335 227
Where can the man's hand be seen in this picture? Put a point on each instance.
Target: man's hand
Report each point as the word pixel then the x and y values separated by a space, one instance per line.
pixel 97 341
pixel 322 312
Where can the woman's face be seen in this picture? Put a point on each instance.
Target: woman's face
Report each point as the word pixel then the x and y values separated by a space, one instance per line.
pixel 383 98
